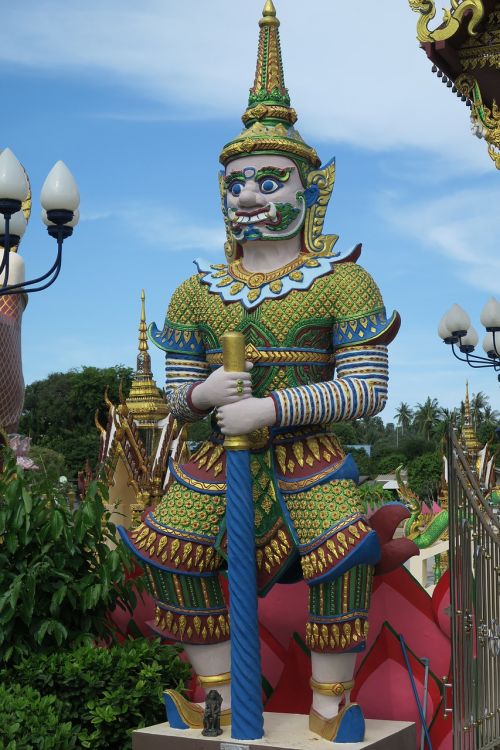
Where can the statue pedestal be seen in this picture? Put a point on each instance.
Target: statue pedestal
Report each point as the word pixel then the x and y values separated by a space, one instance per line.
pixel 282 732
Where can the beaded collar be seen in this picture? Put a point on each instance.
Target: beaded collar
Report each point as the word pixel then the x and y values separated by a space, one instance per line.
pixel 234 283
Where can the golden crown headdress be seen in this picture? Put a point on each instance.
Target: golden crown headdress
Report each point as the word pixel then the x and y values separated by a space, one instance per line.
pixel 269 128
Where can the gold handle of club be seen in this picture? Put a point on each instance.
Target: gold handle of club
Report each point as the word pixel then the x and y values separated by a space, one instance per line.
pixel 233 358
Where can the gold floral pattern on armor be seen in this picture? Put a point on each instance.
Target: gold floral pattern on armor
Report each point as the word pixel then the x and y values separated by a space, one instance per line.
pixel 334 500
pixel 182 508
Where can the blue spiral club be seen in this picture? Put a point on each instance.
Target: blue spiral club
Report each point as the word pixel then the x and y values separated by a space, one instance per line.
pixel 247 721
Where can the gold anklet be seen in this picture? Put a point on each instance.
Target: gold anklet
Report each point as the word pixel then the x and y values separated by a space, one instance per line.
pixel 214 679
pixel 331 688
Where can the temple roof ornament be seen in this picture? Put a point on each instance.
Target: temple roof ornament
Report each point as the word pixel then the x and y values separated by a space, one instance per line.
pixel 468 437
pixel 145 402
pixel 138 439
pixel 465 51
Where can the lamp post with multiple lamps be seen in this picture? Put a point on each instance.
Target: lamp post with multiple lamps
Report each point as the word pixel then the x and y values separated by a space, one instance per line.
pixel 60 200
pixel 456 330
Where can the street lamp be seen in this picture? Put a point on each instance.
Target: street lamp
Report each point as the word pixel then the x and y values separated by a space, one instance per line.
pixel 456 330
pixel 60 200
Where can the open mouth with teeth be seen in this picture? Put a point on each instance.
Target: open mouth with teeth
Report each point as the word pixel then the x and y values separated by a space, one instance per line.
pixel 268 215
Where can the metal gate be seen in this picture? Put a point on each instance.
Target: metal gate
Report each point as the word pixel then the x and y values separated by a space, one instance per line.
pixel 475 606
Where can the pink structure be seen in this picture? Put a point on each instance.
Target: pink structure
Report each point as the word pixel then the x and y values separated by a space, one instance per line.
pixel 11 371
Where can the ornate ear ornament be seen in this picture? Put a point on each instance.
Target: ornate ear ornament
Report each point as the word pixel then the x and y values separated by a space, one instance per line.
pixel 317 195
pixel 230 243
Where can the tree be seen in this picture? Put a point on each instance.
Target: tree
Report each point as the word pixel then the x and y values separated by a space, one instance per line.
pixel 404 416
pixel 424 475
pixel 427 417
pixel 389 463
pixel 61 573
pixel 59 411
pixel 479 402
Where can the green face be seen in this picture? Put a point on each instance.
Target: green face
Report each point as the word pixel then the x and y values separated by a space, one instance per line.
pixel 264 198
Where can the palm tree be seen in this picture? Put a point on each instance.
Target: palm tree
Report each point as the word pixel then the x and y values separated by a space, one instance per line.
pixel 447 417
pixel 427 417
pixel 479 402
pixel 490 415
pixel 404 415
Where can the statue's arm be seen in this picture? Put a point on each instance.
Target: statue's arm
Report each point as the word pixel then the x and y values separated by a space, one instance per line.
pixel 358 390
pixel 360 334
pixel 185 359
pixel 183 374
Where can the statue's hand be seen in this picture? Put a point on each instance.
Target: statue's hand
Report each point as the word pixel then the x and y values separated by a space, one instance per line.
pixel 221 388
pixel 247 415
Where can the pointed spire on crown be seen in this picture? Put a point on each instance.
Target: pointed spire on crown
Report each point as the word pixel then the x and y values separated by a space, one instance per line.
pixel 269 98
pixel 269 118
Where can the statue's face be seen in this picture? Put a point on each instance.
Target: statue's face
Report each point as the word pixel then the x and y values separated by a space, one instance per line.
pixel 265 198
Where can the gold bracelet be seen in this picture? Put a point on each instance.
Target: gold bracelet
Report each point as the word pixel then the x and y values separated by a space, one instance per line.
pixel 214 679
pixel 331 688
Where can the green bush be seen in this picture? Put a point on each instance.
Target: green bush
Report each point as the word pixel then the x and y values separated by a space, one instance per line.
pixel 373 496
pixel 389 463
pixel 424 475
pixel 60 575
pixel 51 463
pixel 29 720
pixel 102 693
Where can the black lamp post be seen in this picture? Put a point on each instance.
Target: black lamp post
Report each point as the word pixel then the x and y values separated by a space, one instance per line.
pixel 456 330
pixel 60 200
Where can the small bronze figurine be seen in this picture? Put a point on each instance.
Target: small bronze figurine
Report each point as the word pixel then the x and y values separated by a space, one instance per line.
pixel 211 717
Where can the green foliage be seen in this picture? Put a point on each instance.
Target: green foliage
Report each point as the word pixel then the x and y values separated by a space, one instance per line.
pixel 487 431
pixel 374 496
pixel 389 463
pixel 199 431
pixel 424 474
pixel 49 462
pixel 59 411
pixel 415 445
pixel 363 462
pixel 30 720
pixel 346 432
pixel 59 576
pixel 100 693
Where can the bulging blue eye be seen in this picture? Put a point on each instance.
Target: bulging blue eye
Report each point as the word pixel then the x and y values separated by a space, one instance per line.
pixel 269 186
pixel 236 188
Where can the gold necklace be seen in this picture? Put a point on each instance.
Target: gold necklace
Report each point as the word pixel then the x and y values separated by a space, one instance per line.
pixel 255 279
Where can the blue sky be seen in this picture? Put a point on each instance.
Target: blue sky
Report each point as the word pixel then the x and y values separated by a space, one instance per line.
pixel 138 101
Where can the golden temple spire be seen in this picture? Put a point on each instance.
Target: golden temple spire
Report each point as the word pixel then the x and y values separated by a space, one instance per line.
pixel 269 99
pixel 468 434
pixel 145 401
pixel 143 334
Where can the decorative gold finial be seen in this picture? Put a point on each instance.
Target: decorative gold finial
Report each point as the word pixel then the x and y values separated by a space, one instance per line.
pixel 143 335
pixel 269 12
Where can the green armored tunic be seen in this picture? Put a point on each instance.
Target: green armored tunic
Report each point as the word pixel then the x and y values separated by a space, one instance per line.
pixel 316 332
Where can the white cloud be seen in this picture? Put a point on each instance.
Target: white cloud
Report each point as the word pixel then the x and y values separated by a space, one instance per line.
pixel 161 227
pixel 461 226
pixel 355 74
